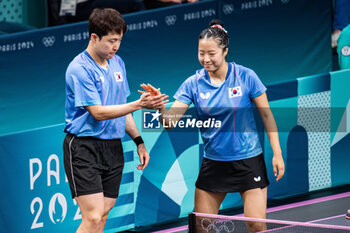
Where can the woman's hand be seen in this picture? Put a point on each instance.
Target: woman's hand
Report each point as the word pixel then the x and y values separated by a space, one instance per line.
pixel 278 166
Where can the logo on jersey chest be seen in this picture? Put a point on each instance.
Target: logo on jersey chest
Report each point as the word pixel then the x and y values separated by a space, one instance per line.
pixel 118 76
pixel 102 79
pixel 204 96
pixel 234 92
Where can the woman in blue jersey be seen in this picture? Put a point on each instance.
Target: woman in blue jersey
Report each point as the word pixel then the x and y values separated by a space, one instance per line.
pixel 233 159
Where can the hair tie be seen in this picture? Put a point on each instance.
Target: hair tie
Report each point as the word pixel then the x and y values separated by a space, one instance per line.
pixel 218 26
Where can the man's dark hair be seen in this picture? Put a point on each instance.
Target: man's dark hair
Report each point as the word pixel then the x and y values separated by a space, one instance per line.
pixel 104 21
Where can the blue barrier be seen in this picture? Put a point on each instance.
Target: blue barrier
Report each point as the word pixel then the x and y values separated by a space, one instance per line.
pixel 37 196
pixel 280 40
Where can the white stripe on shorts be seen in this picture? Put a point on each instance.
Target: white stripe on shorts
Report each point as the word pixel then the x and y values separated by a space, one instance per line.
pixel 71 166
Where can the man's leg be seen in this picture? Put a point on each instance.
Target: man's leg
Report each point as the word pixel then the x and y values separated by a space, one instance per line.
pixel 254 201
pixel 108 205
pixel 92 210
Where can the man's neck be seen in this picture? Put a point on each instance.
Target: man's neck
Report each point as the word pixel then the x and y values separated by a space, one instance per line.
pixel 99 60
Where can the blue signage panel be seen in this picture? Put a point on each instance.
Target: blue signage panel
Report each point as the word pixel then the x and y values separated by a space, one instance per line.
pixel 279 39
pixel 35 193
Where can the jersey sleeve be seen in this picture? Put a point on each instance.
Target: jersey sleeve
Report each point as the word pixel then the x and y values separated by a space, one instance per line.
pixel 256 87
pixel 82 86
pixel 185 92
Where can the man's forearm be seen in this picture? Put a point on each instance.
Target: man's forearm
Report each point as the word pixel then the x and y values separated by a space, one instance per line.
pixel 130 127
pixel 106 112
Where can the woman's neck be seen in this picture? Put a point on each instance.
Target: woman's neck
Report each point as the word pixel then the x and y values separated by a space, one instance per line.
pixel 219 75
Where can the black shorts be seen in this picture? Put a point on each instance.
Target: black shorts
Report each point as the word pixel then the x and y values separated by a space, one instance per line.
pixel 93 165
pixel 232 176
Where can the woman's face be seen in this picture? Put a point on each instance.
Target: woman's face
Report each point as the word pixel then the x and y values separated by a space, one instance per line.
pixel 210 54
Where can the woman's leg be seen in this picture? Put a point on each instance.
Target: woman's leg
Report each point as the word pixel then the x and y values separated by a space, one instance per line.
pixel 254 201
pixel 207 202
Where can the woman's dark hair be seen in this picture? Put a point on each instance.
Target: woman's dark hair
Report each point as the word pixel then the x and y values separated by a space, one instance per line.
pixel 217 32
pixel 104 21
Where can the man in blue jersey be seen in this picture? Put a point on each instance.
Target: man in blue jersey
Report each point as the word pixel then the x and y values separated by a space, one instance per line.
pixel 233 159
pixel 97 117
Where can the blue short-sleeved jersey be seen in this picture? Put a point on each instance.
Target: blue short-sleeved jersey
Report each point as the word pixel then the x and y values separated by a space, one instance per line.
pixel 231 103
pixel 89 84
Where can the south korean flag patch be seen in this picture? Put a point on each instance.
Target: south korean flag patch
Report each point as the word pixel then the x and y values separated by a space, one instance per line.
pixel 118 76
pixel 234 92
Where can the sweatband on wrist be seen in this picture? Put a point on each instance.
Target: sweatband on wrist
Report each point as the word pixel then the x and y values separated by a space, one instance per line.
pixel 138 140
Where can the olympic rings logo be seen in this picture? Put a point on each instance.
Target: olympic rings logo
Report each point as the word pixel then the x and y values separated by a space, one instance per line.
pixel 48 41
pixel 228 9
pixel 170 20
pixel 217 225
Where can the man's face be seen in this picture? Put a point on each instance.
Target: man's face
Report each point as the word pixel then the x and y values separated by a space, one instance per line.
pixel 108 45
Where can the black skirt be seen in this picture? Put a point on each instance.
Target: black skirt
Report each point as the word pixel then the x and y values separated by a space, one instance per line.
pixel 232 176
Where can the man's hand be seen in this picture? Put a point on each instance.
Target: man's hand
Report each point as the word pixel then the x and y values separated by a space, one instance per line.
pixel 144 156
pixel 153 102
pixel 152 98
